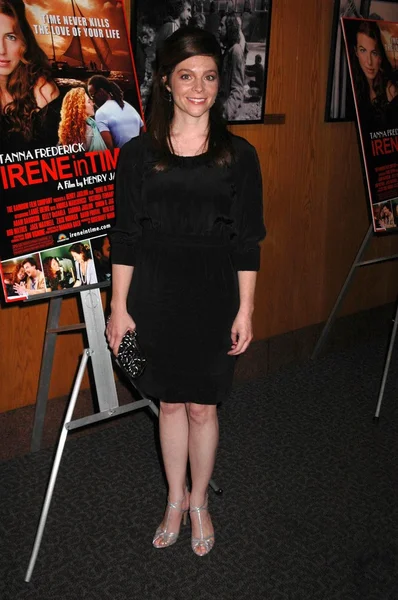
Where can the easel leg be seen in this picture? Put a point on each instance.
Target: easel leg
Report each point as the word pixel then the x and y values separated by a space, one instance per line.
pixel 55 468
pixel 54 312
pixel 343 291
pixel 387 365
pixel 101 359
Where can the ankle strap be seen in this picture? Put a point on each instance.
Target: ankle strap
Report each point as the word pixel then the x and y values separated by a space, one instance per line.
pixel 198 508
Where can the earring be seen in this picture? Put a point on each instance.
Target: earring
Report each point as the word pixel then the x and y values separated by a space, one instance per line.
pixel 167 95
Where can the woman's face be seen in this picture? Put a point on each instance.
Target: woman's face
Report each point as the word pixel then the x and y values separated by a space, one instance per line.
pixel 89 106
pixel 194 85
pixel 368 55
pixel 11 46
pixel 54 265
pixel 21 274
pixel 77 257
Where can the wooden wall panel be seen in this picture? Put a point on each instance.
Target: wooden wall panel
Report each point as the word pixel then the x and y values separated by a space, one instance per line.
pixel 314 204
pixel 314 198
pixel 23 330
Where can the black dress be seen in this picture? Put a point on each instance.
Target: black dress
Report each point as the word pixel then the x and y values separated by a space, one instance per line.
pixel 187 231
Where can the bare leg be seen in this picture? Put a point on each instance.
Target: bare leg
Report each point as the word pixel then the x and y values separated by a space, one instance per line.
pixel 203 440
pixel 173 427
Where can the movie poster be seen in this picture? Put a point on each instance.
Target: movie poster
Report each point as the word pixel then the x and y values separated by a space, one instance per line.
pixel 71 102
pixel 372 50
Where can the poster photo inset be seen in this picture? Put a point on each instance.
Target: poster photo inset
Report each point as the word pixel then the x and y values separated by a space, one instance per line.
pixel 23 277
pixel 241 27
pixel 73 103
pixel 339 100
pixel 372 50
pixel 69 266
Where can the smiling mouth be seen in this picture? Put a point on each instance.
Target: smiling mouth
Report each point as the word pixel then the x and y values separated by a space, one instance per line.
pixel 197 100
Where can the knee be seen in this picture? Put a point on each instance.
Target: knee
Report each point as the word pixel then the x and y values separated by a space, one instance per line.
pixel 171 409
pixel 200 414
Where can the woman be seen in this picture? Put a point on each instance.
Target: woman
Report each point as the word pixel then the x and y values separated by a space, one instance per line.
pixel 57 277
pixel 77 123
pixel 18 276
pixel 374 79
pixel 84 265
pixel 30 102
pixel 184 259
pixel 248 21
pixel 386 218
pixel 395 210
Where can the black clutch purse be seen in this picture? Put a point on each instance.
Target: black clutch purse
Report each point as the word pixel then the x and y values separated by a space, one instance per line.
pixel 130 357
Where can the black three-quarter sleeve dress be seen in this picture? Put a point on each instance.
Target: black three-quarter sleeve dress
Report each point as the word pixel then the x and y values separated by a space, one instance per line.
pixel 187 231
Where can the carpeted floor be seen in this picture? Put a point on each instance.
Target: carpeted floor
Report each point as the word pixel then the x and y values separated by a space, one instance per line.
pixel 309 510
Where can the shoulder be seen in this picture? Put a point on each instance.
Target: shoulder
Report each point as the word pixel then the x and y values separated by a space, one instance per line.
pixel 130 108
pixel 243 149
pixel 109 107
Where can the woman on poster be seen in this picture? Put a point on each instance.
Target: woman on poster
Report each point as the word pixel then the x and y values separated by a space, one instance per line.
pixel 58 275
pixel 185 251
pixel 375 82
pixel 30 99
pixel 77 121
pixel 84 264
pixel 18 276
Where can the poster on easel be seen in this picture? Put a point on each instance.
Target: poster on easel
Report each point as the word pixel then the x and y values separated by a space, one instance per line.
pixel 70 101
pixel 372 51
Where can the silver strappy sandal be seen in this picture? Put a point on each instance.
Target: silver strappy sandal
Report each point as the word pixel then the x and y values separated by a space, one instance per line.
pixel 162 535
pixel 205 542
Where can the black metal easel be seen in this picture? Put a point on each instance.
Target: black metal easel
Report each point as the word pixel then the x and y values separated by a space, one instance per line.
pixel 358 262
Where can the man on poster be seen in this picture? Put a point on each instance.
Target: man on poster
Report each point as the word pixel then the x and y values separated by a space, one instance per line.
pixel 35 283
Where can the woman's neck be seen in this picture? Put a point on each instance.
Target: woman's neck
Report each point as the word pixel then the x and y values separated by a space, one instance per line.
pixel 187 126
pixel 189 136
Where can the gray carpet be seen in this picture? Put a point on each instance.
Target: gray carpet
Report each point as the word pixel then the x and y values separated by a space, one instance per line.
pixel 309 510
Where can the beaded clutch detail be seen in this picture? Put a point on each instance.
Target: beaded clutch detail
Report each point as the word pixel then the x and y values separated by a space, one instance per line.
pixel 130 357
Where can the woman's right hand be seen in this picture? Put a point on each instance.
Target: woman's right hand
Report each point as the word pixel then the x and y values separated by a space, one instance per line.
pixel 118 324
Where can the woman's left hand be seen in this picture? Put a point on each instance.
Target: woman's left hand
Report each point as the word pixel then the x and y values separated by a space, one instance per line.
pixel 20 289
pixel 241 333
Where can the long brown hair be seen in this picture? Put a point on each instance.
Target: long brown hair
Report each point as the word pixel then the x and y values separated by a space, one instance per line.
pixel 15 273
pixel 73 126
pixel 182 44
pixel 383 78
pixel 32 66
pixel 52 277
